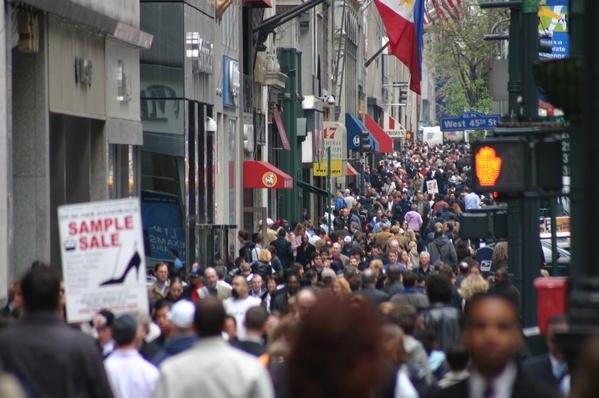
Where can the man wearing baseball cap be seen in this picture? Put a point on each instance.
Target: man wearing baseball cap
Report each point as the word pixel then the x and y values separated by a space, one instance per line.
pixel 181 316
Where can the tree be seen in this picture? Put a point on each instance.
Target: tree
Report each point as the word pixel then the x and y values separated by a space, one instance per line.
pixel 461 58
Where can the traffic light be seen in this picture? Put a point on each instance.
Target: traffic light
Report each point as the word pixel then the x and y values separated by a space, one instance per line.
pixel 403 95
pixel 364 141
pixel 500 165
pixel 408 136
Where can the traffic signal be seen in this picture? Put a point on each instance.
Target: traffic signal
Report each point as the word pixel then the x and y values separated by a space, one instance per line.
pixel 364 141
pixel 408 136
pixel 500 165
pixel 403 95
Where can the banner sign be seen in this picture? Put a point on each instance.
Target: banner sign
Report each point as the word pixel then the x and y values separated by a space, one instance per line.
pixel 103 261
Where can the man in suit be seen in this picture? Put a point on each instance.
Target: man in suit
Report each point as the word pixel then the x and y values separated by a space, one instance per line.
pixel 280 302
pixel 284 250
pixel 373 295
pixel 551 368
pixel 492 336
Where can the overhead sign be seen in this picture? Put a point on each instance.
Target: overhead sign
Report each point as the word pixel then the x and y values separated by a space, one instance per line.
pixel 335 137
pixel 469 121
pixel 103 259
pixel 392 127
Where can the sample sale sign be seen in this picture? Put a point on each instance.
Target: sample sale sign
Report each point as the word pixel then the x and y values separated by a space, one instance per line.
pixel 103 260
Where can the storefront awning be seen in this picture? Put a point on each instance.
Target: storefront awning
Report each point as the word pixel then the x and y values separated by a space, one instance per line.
pixel 281 128
pixel 354 127
pixel 385 142
pixel 311 188
pixel 257 174
pixel 351 171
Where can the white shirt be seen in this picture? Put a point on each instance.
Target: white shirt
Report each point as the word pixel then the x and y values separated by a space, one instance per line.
pixel 403 386
pixel 237 309
pixel 502 384
pixel 131 376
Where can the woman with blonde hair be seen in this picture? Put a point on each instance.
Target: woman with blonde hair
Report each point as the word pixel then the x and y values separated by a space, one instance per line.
pixel 500 256
pixel 472 285
pixel 413 255
pixel 410 236
pixel 340 288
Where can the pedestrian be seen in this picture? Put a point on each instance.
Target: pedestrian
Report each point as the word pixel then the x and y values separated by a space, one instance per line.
pixel 492 336
pixel 240 302
pixel 50 358
pixel 182 336
pixel 129 374
pixel 212 368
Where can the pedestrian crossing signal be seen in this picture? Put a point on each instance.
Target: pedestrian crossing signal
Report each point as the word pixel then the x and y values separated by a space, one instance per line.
pixel 500 166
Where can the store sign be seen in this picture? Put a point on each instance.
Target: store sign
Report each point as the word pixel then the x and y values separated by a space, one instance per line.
pixel 83 71
pixel 124 83
pixel 231 82
pixel 335 138
pixel 200 52
pixel 269 179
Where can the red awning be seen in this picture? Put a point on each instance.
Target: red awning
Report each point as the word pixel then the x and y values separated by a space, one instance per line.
pixel 281 128
pixel 351 171
pixel 257 174
pixel 385 142
pixel 258 3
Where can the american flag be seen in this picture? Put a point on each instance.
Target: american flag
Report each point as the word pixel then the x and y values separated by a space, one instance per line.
pixel 449 10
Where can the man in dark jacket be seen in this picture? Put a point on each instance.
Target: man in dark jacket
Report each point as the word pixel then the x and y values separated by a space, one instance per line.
pixel 255 328
pixel 442 317
pixel 284 250
pixel 551 368
pixel 373 295
pixel 50 358
pixel 442 249
pixel 505 287
pixel 493 322
pixel 394 285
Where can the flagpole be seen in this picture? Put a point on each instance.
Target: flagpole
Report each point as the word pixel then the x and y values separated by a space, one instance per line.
pixel 376 54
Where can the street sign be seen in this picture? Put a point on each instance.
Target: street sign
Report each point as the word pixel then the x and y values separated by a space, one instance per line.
pixel 469 121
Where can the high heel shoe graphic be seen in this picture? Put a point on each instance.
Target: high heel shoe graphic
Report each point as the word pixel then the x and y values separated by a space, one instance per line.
pixel 135 262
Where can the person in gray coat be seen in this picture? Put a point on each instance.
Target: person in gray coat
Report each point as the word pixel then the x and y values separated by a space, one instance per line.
pixel 442 249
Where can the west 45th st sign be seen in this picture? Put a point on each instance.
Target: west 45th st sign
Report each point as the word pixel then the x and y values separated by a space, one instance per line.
pixel 469 121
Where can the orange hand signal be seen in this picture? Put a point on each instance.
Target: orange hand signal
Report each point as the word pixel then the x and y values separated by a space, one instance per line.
pixel 488 166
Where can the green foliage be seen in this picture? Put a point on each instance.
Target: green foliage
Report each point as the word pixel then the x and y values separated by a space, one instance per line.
pixel 462 58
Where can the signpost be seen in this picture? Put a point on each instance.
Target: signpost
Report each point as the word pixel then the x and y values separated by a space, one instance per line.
pixel 469 121
pixel 103 260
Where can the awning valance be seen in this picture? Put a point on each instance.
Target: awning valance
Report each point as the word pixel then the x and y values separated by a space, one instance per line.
pixel 351 171
pixel 385 142
pixel 257 174
pixel 354 127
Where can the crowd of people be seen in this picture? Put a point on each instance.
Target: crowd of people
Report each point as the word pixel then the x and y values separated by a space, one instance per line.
pixel 388 302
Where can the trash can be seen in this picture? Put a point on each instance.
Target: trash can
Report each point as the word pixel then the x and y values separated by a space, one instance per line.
pixel 552 299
